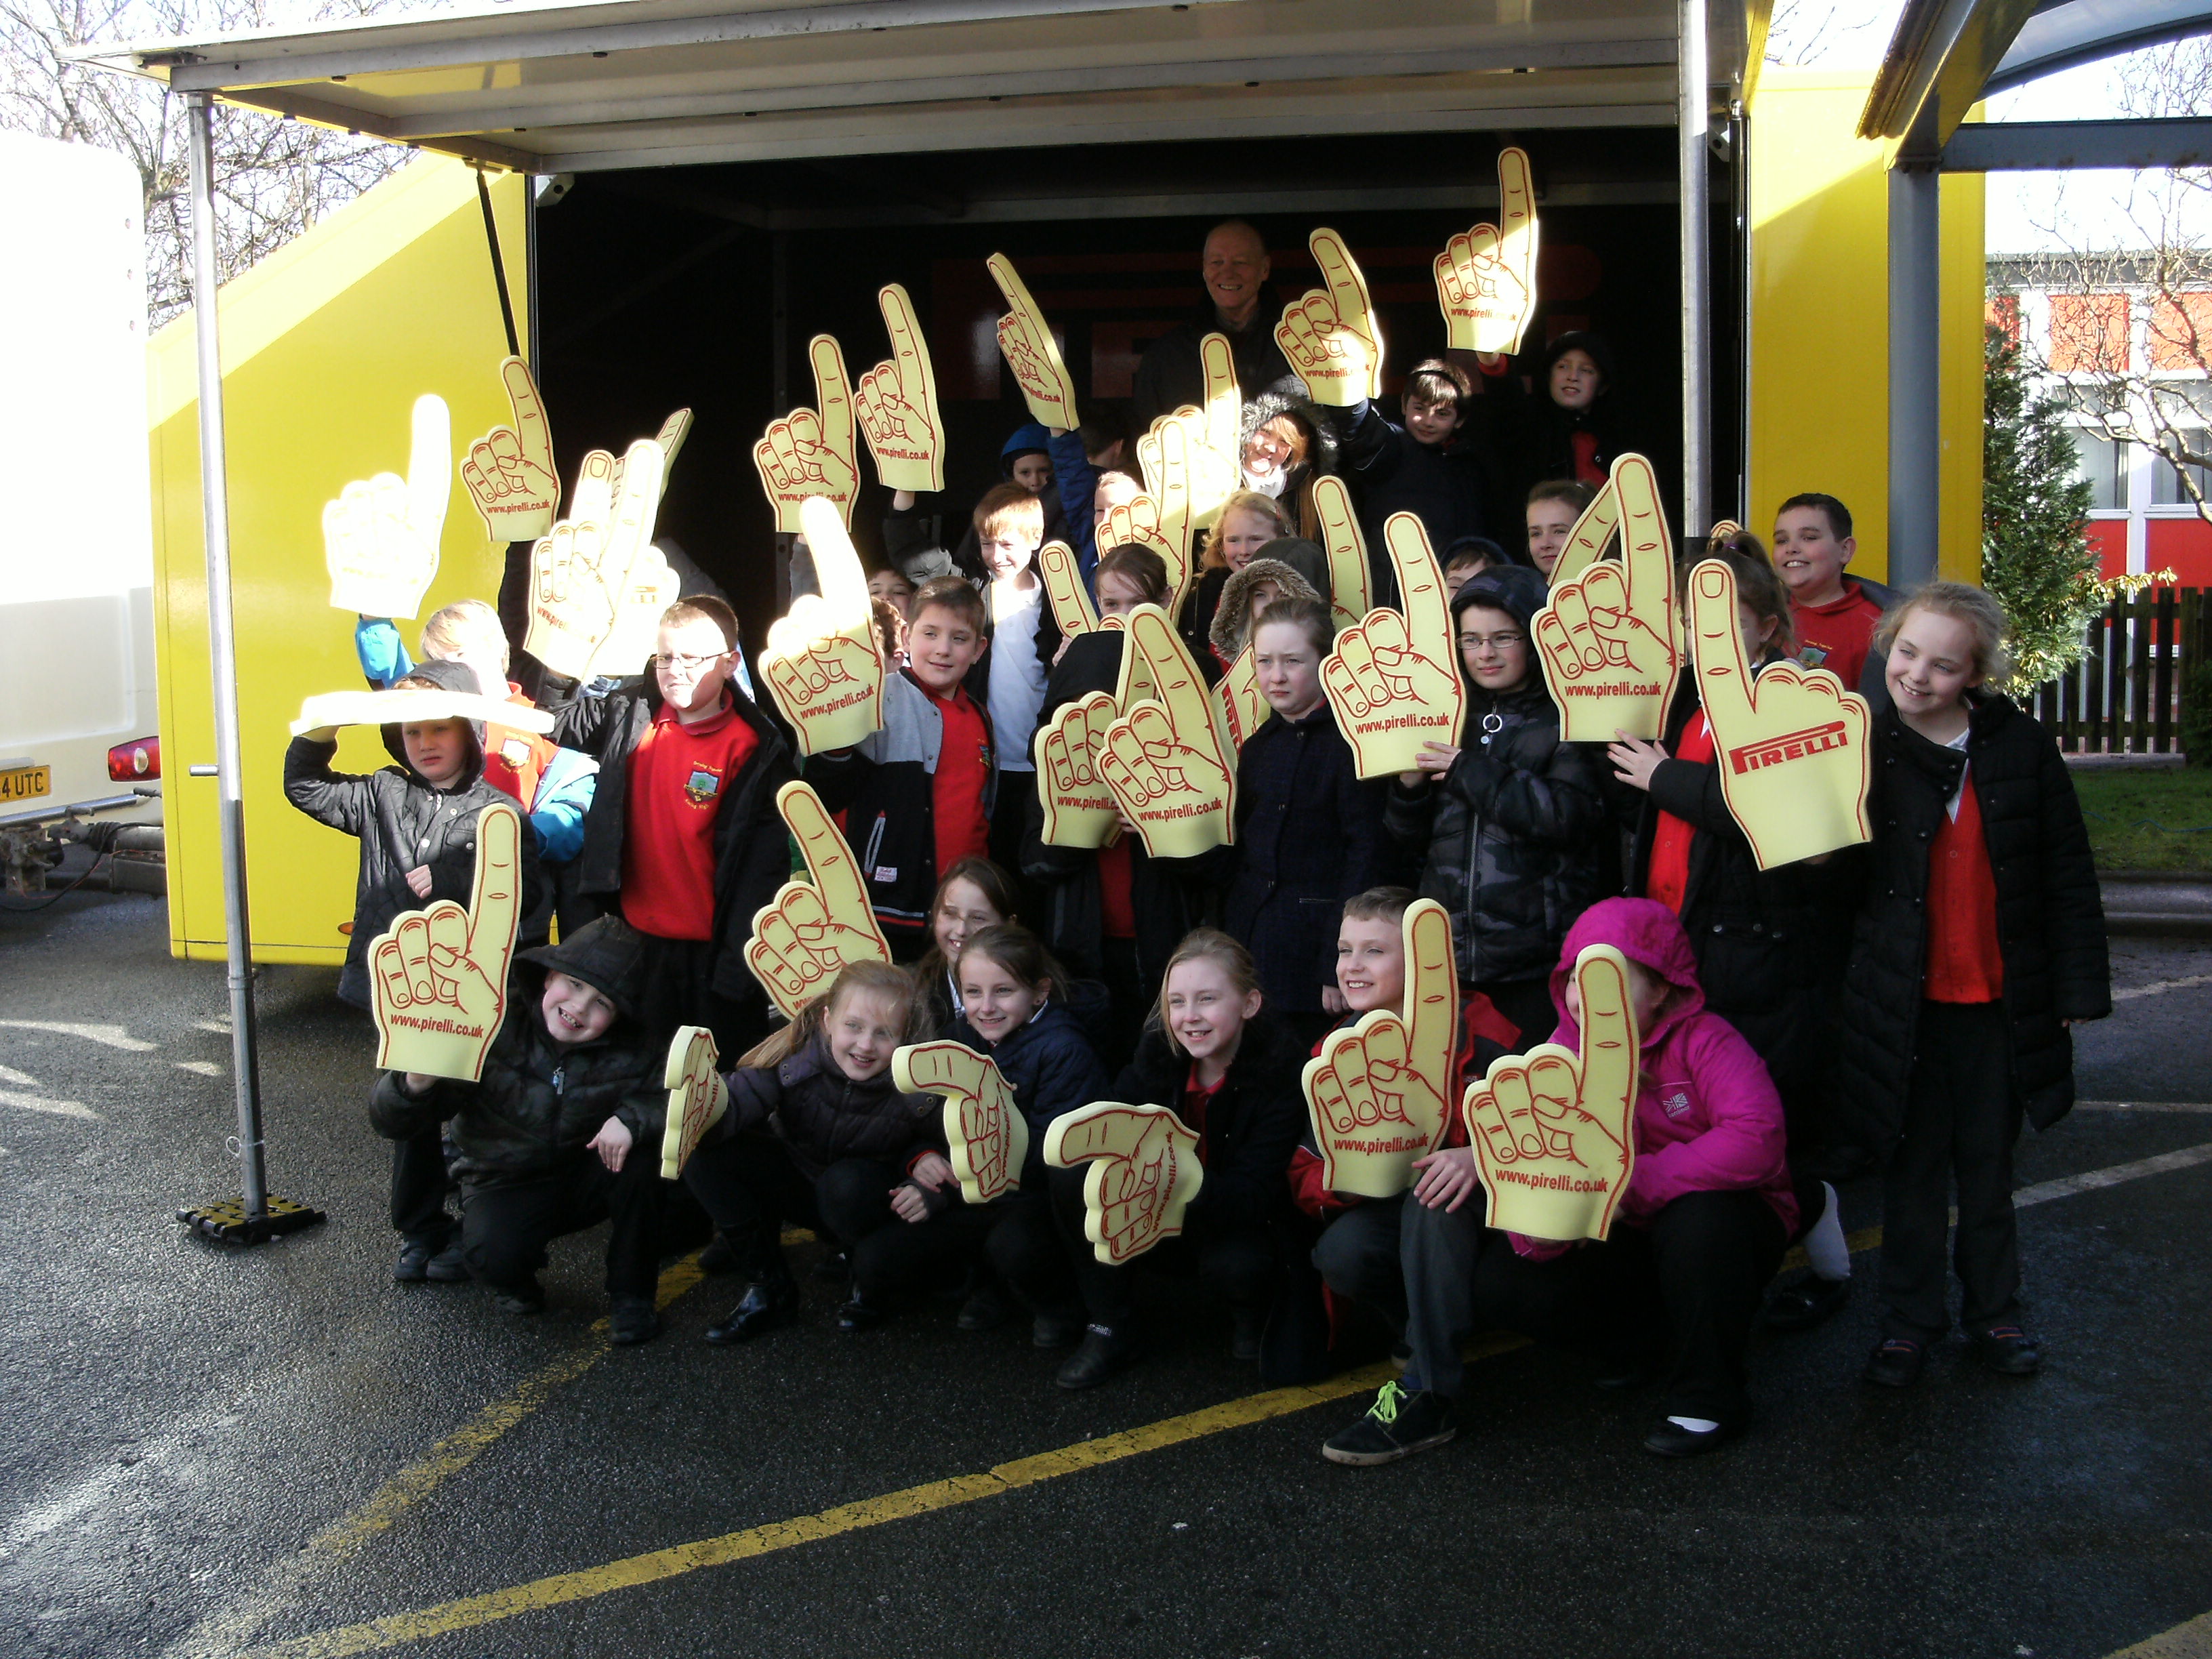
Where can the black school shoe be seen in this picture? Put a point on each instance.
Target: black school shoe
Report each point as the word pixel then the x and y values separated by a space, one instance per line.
pixel 633 1321
pixel 522 1300
pixel 1896 1361
pixel 987 1309
pixel 1804 1302
pixel 2009 1351
pixel 1671 1439
pixel 720 1256
pixel 1396 1425
pixel 438 1264
pixel 1104 1352
pixel 1056 1328
pixel 767 1303
pixel 862 1312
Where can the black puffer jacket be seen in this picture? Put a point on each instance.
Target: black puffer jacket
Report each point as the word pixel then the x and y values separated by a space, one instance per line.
pixel 1252 1124
pixel 1051 1068
pixel 1445 487
pixel 539 1101
pixel 1512 839
pixel 752 847
pixel 822 1115
pixel 402 822
pixel 2051 921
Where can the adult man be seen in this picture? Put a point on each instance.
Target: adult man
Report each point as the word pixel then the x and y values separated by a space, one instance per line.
pixel 1240 305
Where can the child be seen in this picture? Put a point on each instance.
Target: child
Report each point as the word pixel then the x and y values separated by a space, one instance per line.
pixel 1467 558
pixel 417 822
pixel 1009 529
pixel 1288 442
pixel 1220 1060
pixel 1771 944
pixel 1088 467
pixel 1835 614
pixel 1572 430
pixel 818 1135
pixel 1309 831
pixel 976 894
pixel 1675 1285
pixel 918 794
pixel 1552 509
pixel 1420 467
pixel 546 1143
pixel 1261 583
pixel 1026 464
pixel 1980 940
pixel 1015 1007
pixel 684 836
pixel 889 584
pixel 1247 523
pixel 1509 828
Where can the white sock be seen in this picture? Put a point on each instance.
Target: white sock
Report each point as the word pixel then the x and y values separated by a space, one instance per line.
pixel 1694 1425
pixel 1824 1246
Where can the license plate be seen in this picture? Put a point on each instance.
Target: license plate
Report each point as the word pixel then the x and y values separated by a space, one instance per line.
pixel 25 782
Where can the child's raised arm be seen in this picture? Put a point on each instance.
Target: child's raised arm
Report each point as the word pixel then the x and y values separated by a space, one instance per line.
pixel 340 800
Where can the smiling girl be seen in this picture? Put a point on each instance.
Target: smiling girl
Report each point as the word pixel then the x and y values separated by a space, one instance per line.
pixel 1247 523
pixel 1980 940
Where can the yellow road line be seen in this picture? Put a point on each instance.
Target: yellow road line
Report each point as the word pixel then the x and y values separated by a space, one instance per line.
pixel 2191 1641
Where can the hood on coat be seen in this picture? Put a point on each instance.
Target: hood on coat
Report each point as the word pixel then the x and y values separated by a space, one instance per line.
pixel 1232 619
pixel 1288 396
pixel 1593 346
pixel 1309 558
pixel 1498 554
pixel 1520 591
pixel 608 954
pixel 447 676
pixel 1028 439
pixel 1649 934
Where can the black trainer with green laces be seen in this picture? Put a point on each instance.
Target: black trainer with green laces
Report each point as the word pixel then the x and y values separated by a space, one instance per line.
pixel 1396 1425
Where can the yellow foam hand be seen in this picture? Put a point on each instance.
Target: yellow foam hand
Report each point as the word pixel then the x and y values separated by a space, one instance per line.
pixel 1608 638
pixel 1593 529
pixel 1161 518
pixel 898 403
pixel 580 575
pixel 673 431
pixel 1486 276
pixel 697 1097
pixel 1144 1173
pixel 1394 678
pixel 437 976
pixel 1330 337
pixel 1214 430
pixel 1163 759
pixel 1079 810
pixel 380 535
pixel 1026 342
pixel 809 452
pixel 1349 593
pixel 1064 591
pixel 1553 1130
pixel 328 710
pixel 653 587
pixel 986 1135
pixel 1377 1093
pixel 1238 708
pixel 509 471
pixel 1790 745
pixel 824 663
pixel 812 929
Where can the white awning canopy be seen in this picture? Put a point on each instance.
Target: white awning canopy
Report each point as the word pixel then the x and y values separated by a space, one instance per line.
pixel 567 86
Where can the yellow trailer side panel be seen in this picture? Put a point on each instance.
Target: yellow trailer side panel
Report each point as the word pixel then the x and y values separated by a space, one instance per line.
pixel 326 346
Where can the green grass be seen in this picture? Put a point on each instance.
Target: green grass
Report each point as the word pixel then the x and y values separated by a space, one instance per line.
pixel 2138 818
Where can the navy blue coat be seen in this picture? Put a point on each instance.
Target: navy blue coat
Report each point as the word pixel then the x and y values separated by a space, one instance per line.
pixel 1051 1068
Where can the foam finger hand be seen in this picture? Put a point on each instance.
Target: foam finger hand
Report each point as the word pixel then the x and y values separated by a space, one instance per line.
pixel 697 1097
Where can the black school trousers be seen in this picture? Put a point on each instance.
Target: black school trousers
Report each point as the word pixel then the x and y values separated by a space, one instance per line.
pixel 505 1225
pixel 1961 1118
pixel 676 987
pixel 1682 1288
pixel 752 1187
pixel 1241 1264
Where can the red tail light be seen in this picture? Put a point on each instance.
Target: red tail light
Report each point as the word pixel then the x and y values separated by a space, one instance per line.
pixel 137 762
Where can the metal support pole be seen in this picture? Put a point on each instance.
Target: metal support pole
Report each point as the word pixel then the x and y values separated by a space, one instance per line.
pixel 779 356
pixel 223 653
pixel 1692 114
pixel 1915 382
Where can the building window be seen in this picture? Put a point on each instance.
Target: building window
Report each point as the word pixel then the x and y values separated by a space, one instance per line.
pixel 2103 460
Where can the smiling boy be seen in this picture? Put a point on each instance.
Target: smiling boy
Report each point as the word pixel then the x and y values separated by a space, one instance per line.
pixel 1423 467
pixel 1835 614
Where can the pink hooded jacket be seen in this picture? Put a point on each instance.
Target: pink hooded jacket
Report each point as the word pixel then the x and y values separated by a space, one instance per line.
pixel 1707 1115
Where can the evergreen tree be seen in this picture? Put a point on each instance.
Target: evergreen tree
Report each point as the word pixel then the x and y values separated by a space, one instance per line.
pixel 2036 557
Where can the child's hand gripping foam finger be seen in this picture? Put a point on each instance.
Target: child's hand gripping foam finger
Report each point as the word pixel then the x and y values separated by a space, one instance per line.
pixel 1144 1170
pixel 988 1137
pixel 438 976
pixel 1790 745
pixel 1552 1130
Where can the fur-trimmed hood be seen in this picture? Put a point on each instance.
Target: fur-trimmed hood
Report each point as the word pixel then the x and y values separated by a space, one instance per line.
pixel 1233 620
pixel 1288 396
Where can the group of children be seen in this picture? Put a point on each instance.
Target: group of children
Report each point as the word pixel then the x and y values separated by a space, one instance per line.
pixel 1897 1007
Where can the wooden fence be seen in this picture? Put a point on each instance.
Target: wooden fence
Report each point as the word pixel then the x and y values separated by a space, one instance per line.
pixel 2124 698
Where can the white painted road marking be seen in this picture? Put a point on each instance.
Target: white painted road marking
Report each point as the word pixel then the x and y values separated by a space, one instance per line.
pixel 39 1103
pixel 2157 986
pixel 112 1036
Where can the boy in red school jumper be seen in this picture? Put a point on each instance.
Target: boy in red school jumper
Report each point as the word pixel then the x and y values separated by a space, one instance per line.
pixel 917 795
pixel 684 840
pixel 1835 614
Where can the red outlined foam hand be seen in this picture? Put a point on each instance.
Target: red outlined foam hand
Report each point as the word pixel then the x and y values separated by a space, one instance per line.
pixel 1163 759
pixel 1349 592
pixel 1377 1093
pixel 697 1097
pixel 1079 809
pixel 510 472
pixel 1330 335
pixel 380 536
pixel 1144 1172
pixel 824 663
pixel 988 1137
pixel 898 403
pixel 437 976
pixel 1394 680
pixel 813 929
pixel 1553 1130
pixel 1486 276
pixel 1790 744
pixel 584 573
pixel 1026 342
pixel 809 452
pixel 1608 638
pixel 1213 435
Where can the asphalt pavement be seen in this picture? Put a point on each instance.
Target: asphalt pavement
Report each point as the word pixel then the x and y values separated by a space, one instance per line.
pixel 279 1451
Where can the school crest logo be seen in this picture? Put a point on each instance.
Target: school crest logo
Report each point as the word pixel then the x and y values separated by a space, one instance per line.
pixel 703 785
